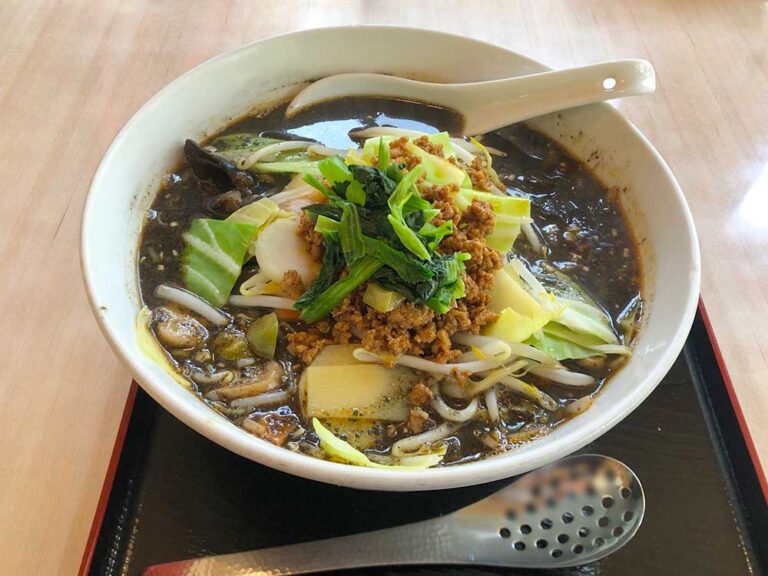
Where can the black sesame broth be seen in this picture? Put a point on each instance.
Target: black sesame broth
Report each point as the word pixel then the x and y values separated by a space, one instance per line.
pixel 580 221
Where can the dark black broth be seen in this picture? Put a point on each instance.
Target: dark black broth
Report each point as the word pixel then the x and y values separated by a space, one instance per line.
pixel 580 220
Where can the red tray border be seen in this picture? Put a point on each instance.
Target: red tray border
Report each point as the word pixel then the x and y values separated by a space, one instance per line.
pixel 748 440
pixel 109 478
pixel 106 489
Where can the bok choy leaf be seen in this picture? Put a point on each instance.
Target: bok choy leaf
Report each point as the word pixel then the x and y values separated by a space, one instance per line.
pixel 213 256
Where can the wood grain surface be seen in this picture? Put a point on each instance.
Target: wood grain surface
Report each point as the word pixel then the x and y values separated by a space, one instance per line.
pixel 73 71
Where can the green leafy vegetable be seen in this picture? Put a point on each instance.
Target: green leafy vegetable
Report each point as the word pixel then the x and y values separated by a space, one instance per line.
pixel 520 313
pixel 396 202
pixel 340 178
pixel 334 170
pixel 435 234
pixel 333 264
pixel 312 180
pixel 326 225
pixel 444 296
pixel 213 256
pixel 378 185
pixel 393 216
pixel 408 268
pixel 259 213
pixel 327 210
pixel 352 241
pixel 318 308
pixel 448 283
pixel 438 287
pixel 558 348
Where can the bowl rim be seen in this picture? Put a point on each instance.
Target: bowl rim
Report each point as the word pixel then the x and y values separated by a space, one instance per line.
pixel 472 473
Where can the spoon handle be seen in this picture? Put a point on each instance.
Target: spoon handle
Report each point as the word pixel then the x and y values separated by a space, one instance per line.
pixel 428 542
pixel 491 105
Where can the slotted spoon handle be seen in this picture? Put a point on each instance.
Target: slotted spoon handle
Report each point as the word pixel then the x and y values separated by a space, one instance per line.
pixel 428 542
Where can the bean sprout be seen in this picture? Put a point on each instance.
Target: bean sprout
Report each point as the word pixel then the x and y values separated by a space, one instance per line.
pixel 516 348
pixel 491 440
pixel 579 406
pixel 416 363
pixel 531 392
pixel 407 446
pixel 376 131
pixel 268 153
pixel 320 150
pixel 563 376
pixel 497 376
pixel 499 192
pixel 262 302
pixel 531 236
pixel 266 399
pixel 192 302
pixel 452 414
pixel 461 149
pixel 612 349
pixel 492 404
pixel 473 149
pixel 456 390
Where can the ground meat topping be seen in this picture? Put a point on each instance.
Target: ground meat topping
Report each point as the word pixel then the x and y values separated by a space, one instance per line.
pixel 292 285
pixel 442 199
pixel 313 239
pixel 420 394
pixel 412 328
pixel 476 171
pixel 399 153
pixel 306 344
pixel 429 147
pixel 417 420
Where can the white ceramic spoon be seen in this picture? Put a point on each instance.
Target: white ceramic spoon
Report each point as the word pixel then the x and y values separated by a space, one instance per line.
pixel 490 105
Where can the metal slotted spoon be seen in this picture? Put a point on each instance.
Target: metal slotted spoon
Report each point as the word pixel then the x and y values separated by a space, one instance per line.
pixel 576 511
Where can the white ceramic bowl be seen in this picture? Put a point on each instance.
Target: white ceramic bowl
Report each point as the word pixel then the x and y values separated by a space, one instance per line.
pixel 207 97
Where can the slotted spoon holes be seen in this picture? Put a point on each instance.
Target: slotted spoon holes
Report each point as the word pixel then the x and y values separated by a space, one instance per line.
pixel 574 514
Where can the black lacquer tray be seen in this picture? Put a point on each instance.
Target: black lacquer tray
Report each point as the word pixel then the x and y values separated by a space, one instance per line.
pixel 172 494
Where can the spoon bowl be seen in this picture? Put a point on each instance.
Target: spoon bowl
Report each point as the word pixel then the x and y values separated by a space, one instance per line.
pixel 494 104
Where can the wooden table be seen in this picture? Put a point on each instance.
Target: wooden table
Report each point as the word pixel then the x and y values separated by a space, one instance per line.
pixel 71 73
